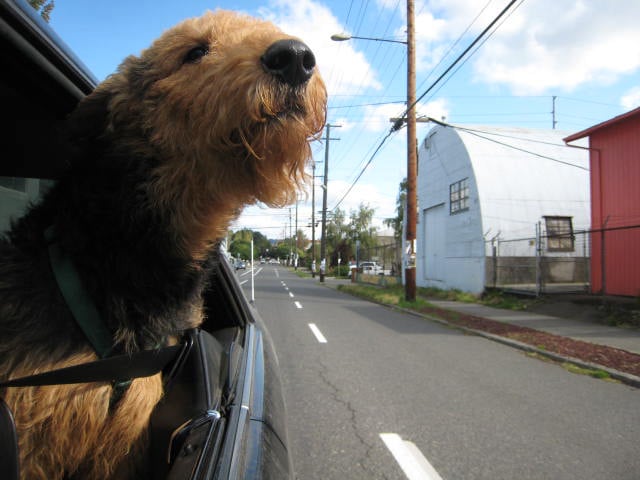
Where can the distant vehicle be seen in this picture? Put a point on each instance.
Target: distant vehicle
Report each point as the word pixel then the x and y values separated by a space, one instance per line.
pixel 371 268
pixel 240 265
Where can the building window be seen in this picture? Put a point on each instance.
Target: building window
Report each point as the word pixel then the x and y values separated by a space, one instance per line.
pixel 459 196
pixel 559 234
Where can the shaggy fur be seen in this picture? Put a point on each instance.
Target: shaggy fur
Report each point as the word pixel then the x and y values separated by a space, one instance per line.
pixel 163 155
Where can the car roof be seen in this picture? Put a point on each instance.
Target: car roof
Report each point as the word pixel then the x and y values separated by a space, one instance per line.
pixel 42 83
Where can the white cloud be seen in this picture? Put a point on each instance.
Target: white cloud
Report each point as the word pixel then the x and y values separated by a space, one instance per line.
pixel 547 46
pixel 540 46
pixel 314 24
pixel 631 99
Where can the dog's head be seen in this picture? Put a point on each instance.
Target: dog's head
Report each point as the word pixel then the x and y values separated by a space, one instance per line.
pixel 225 103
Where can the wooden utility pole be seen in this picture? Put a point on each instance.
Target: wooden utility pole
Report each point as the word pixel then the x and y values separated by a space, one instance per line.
pixel 323 241
pixel 313 220
pixel 412 162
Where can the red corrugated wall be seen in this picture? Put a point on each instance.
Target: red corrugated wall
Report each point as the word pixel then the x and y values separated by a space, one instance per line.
pixel 615 202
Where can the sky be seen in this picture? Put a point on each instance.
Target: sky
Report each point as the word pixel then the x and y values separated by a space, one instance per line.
pixel 586 54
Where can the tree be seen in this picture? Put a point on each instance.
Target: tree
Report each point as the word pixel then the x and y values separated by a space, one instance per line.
pixel 240 249
pixel 44 7
pixel 342 233
pixel 396 222
pixel 241 244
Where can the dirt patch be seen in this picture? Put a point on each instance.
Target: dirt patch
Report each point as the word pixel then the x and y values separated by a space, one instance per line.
pixel 611 357
pixel 616 311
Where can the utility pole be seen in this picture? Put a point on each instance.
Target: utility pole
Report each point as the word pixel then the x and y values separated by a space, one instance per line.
pixel 412 156
pixel 290 239
pixel 313 220
pixel 553 112
pixel 323 241
pixel 296 237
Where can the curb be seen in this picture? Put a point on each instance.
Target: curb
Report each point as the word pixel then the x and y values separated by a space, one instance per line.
pixel 623 377
pixel 626 378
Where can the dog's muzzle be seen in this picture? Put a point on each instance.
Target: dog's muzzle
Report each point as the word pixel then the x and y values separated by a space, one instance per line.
pixel 290 61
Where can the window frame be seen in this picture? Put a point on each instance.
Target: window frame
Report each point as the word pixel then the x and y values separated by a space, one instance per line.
pixel 460 190
pixel 560 237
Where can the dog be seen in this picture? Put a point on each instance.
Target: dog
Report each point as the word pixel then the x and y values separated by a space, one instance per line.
pixel 218 113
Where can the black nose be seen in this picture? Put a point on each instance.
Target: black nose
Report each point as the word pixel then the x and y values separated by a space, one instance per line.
pixel 291 61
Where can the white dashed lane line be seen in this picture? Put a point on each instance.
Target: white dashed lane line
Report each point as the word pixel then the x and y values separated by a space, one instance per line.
pixel 316 331
pixel 413 463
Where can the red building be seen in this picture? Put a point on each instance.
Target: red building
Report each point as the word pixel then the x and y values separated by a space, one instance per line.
pixel 614 148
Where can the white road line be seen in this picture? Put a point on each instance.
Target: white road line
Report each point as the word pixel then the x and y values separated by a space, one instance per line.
pixel 316 331
pixel 413 463
pixel 298 305
pixel 277 274
pixel 291 294
pixel 244 281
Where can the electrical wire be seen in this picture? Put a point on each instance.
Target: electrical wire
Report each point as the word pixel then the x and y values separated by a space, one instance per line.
pixel 398 124
pixel 363 169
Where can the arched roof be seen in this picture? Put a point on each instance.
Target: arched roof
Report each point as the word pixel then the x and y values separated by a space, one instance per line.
pixel 524 174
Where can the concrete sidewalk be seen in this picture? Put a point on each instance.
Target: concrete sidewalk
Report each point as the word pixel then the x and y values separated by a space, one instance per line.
pixel 585 330
pixel 622 338
pixel 588 331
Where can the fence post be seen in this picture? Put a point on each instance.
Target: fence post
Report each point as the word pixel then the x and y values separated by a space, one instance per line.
pixel 603 263
pixel 538 258
pixel 494 252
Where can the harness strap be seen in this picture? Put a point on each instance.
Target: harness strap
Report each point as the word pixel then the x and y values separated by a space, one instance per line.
pixel 113 369
pixel 77 299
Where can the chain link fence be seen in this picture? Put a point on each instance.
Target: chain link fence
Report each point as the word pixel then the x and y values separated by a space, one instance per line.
pixel 388 257
pixel 542 263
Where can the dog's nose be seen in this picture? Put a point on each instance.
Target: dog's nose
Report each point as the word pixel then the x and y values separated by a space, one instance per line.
pixel 291 61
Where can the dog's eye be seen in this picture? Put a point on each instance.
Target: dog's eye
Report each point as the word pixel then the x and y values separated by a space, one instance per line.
pixel 195 54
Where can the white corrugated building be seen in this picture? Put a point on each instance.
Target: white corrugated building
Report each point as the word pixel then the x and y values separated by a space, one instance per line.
pixel 476 184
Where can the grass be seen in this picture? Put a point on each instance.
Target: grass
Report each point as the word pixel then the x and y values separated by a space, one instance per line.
pixel 394 295
pixel 301 273
pixel 595 373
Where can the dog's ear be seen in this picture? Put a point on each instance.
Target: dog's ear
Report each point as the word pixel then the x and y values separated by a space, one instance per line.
pixel 90 118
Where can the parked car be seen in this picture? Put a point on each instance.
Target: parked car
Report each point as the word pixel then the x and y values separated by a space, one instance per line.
pixel 240 265
pixel 371 268
pixel 222 415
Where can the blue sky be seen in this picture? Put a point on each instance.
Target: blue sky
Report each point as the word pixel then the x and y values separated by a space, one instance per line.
pixel 586 53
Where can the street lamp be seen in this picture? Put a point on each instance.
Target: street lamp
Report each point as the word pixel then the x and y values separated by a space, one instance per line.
pixel 341 37
pixel 412 155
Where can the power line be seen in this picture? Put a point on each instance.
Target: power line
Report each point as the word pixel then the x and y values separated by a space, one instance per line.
pixel 470 132
pixel 363 170
pixel 454 43
pixel 398 125
pixel 473 53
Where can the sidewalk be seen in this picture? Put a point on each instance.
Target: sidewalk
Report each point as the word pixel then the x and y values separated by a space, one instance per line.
pixel 622 338
pixel 584 330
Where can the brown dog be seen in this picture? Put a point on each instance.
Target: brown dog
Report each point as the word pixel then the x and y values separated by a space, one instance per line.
pixel 216 114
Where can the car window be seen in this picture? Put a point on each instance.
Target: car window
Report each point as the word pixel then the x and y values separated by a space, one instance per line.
pixel 16 193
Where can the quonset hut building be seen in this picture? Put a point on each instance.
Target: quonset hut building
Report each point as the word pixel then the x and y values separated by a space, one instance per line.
pixel 496 204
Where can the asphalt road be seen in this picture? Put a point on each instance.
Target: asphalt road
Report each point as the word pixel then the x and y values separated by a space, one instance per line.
pixel 392 396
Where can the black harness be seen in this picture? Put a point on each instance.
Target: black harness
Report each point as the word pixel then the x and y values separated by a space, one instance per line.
pixel 119 370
